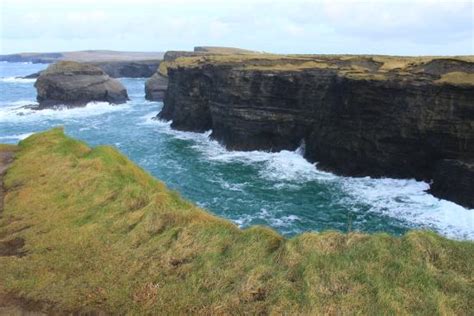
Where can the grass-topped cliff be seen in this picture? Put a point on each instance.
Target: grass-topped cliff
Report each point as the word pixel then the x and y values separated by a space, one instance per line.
pixel 456 70
pixel 72 68
pixel 87 230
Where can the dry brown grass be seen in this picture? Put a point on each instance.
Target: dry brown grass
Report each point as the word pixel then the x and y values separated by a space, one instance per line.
pixel 457 78
pixel 71 67
pixel 365 67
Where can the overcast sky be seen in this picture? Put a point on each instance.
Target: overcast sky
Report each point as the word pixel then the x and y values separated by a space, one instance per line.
pixel 416 27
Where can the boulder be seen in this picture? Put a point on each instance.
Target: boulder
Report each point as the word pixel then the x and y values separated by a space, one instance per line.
pixel 75 84
pixel 155 87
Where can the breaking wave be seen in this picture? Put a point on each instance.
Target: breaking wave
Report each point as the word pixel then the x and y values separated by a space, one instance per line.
pixel 24 111
pixel 403 199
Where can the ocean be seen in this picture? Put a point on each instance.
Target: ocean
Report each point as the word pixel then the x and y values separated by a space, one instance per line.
pixel 281 190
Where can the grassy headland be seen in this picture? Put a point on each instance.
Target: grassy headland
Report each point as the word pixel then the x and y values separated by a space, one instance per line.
pixel 95 233
pixel 457 70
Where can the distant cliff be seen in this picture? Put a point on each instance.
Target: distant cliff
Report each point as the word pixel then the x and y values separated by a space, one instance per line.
pixel 376 116
pixel 81 56
pixel 115 64
pixel 156 86
pixel 129 69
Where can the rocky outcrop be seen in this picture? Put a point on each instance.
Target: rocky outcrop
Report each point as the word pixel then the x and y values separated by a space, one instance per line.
pixel 155 87
pixel 75 84
pixel 454 180
pixel 354 122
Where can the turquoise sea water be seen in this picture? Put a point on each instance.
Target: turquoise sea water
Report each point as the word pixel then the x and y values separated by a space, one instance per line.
pixel 280 190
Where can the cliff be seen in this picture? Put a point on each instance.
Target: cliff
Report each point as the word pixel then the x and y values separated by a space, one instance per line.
pixel 357 115
pixel 156 86
pixel 75 84
pixel 84 231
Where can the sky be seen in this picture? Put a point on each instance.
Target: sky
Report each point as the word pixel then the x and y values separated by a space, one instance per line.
pixel 416 27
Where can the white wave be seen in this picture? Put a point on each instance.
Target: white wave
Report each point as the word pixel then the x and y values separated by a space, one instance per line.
pixel 17 112
pixel 409 201
pixel 16 80
pixel 287 166
pixel 16 136
pixel 402 199
pixel 285 221
pixel 230 186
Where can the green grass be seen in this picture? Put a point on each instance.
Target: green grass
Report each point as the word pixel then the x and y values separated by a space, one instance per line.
pixel 103 235
pixel 72 67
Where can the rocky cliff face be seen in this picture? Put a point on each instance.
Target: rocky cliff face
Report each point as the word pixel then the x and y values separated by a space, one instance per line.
pixel 378 123
pixel 454 180
pixel 75 84
pixel 155 87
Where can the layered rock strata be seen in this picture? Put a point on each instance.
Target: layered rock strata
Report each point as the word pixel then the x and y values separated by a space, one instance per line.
pixel 75 84
pixel 358 116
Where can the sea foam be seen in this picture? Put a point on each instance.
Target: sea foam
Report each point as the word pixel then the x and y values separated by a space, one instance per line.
pixel 21 111
pixel 15 137
pixel 403 199
pixel 17 80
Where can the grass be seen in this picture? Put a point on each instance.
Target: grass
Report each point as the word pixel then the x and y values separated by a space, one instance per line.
pixel 363 67
pixel 223 50
pixel 457 78
pixel 101 234
pixel 71 66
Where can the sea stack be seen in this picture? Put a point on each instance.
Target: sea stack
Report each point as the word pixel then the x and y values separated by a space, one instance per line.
pixel 75 84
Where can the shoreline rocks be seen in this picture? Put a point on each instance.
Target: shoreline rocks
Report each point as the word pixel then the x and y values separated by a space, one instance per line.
pixel 76 84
